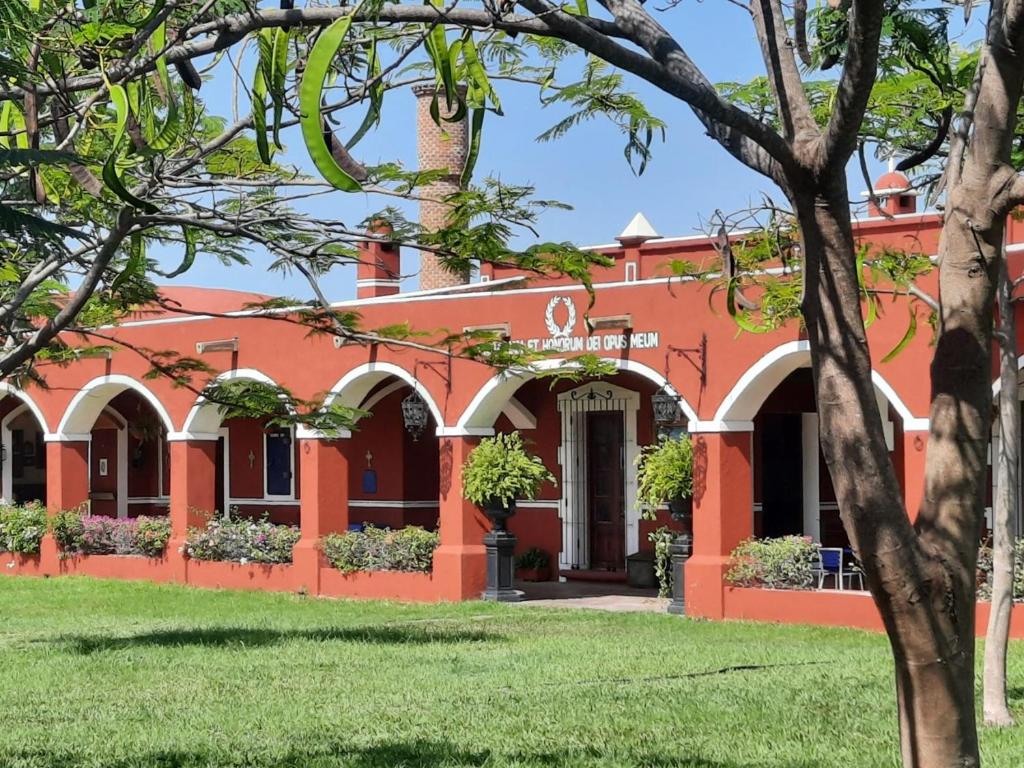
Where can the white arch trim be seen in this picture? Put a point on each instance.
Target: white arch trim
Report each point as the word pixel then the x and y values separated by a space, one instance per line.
pixel 494 396
pixel 352 388
pixel 78 419
pixel 740 406
pixel 28 402
pixel 203 420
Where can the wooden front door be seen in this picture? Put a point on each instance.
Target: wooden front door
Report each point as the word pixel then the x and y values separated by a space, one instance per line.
pixel 606 503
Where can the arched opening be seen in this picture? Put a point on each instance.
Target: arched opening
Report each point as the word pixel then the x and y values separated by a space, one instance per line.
pixel 22 452
pixel 393 452
pixel 792 488
pixel 589 524
pixel 126 428
pixel 257 462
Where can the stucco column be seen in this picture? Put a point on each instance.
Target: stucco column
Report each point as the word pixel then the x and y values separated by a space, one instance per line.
pixel 67 475
pixel 915 448
pixel 723 500
pixel 193 493
pixel 67 487
pixel 460 563
pixel 323 500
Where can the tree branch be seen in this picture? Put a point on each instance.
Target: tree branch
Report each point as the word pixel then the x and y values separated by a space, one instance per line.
pixel 855 83
pixel 25 350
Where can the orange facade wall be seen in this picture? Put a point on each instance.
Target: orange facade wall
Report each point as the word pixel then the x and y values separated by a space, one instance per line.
pixel 835 609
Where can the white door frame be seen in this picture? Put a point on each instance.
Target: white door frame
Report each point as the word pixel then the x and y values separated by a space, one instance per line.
pixel 121 458
pixel 567 458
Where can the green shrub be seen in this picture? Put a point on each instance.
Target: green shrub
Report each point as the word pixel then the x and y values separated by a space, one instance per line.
pixel 662 539
pixel 664 472
pixel 784 563
pixel 501 468
pixel 382 549
pixel 242 541
pixel 22 528
pixel 533 559
pixel 67 529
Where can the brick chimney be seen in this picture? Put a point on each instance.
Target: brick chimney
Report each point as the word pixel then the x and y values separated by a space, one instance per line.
pixel 379 265
pixel 445 146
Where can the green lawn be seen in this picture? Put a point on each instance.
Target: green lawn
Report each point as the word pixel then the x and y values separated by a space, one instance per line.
pixel 118 674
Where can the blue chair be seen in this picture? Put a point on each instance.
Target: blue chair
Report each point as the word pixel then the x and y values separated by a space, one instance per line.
pixel 830 563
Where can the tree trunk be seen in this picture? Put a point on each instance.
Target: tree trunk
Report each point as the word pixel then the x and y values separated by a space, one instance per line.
pixel 920 594
pixel 1004 514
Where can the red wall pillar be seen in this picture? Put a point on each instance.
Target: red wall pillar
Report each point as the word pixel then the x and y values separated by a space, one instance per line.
pixel 722 516
pixel 460 566
pixel 915 447
pixel 67 475
pixel 193 493
pixel 323 507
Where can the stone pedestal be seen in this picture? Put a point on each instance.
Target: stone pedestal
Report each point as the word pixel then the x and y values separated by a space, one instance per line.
pixel 500 546
pixel 679 552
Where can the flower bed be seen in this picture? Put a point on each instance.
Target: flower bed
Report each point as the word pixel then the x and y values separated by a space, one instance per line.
pixel 409 549
pixel 79 534
pixel 784 563
pixel 242 541
pixel 22 528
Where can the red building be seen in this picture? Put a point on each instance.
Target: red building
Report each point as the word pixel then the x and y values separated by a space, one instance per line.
pixel 102 433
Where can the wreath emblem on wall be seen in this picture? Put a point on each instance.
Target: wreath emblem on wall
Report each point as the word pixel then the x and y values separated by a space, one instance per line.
pixel 560 331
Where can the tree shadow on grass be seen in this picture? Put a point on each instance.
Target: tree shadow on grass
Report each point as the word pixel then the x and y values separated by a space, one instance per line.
pixel 1015 695
pixel 419 753
pixel 251 637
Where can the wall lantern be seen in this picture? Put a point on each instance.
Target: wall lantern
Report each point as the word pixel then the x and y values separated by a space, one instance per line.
pixel 665 407
pixel 414 415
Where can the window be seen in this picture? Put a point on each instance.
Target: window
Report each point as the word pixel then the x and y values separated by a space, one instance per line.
pixel 279 460
pixel 630 271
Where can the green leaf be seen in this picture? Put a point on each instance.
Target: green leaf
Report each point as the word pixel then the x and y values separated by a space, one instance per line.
pixel 136 263
pixel 476 129
pixel 741 318
pixel 310 96
pixel 476 72
pixel 190 253
pixel 869 297
pixel 119 96
pixel 170 130
pixel 436 43
pixel 376 96
pixel 907 337
pixel 259 115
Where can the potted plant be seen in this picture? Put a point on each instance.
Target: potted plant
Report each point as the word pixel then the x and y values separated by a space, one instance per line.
pixel 534 565
pixel 665 474
pixel 500 471
pixel 497 473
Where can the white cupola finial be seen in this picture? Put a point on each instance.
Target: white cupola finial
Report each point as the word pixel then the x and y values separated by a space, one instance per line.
pixel 638 230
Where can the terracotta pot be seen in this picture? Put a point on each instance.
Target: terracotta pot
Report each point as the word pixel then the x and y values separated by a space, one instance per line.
pixel 535 574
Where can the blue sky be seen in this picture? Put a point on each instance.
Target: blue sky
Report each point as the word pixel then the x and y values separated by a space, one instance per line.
pixel 689 178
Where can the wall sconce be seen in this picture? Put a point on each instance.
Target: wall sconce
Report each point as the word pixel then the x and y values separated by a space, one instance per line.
pixel 611 322
pixel 502 330
pixel 414 415
pixel 223 345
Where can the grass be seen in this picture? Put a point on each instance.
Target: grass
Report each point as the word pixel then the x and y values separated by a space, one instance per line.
pixel 132 675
